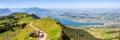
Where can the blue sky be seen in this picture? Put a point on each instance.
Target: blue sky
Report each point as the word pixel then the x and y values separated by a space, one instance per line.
pixel 60 3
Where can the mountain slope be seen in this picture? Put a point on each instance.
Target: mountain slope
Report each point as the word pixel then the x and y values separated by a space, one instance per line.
pixel 47 25
pixel 11 25
pixel 50 27
pixel 37 11
pixel 5 11
pixel 24 34
pixel 17 27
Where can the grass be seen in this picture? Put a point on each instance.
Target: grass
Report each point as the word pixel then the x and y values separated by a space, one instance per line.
pixel 24 20
pixel 24 34
pixel 5 20
pixel 49 26
pixel 19 15
pixel 5 33
pixel 102 33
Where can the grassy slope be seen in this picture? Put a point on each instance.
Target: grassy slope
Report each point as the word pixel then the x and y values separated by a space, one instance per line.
pixel 18 15
pixel 49 26
pixel 5 33
pixel 2 21
pixel 77 34
pixel 23 18
pixel 102 33
pixel 24 34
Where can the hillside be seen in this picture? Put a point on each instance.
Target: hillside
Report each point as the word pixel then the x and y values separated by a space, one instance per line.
pixel 24 34
pixel 50 27
pixel 10 25
pixel 47 25
pixel 19 26
pixel 76 34
pixel 13 20
pixel 19 29
pixel 92 33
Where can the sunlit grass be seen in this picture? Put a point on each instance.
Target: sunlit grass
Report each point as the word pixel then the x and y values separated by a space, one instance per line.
pixel 24 20
pixel 49 26
pixel 5 33
pixel 24 34
pixel 102 33
pixel 5 20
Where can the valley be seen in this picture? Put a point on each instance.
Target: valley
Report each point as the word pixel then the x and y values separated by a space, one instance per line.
pixel 61 26
pixel 59 19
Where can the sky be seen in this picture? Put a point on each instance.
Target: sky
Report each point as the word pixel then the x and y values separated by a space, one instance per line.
pixel 60 3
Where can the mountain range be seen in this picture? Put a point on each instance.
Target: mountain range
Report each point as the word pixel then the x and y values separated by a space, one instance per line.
pixel 22 23
pixel 106 16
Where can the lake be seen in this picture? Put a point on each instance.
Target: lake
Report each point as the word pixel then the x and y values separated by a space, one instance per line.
pixel 72 23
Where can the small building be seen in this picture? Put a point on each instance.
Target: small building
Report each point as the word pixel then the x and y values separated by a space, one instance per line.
pixel 35 33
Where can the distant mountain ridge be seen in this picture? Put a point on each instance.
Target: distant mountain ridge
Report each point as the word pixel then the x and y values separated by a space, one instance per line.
pixel 5 11
pixel 75 15
pixel 50 12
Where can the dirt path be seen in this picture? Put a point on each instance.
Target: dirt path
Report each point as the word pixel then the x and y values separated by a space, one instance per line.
pixel 39 38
